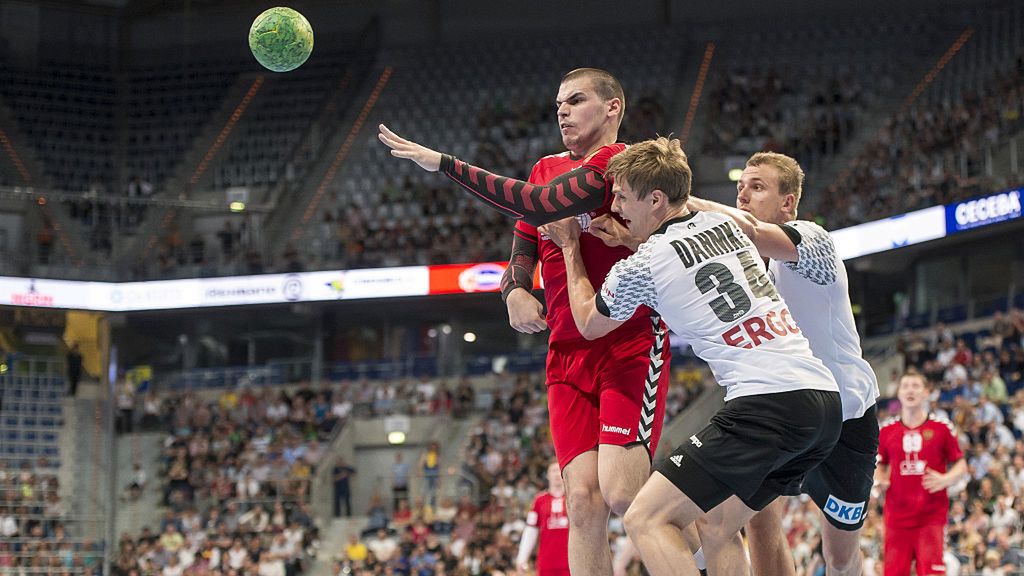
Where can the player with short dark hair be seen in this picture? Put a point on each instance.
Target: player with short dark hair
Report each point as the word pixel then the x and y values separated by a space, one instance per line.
pixel 606 398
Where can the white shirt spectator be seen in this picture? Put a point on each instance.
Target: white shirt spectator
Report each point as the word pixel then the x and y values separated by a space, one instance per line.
pixel 273 567
pixel 282 548
pixel 1004 516
pixel 8 527
pixel 987 412
pixel 294 536
pixel 237 556
pixel 382 548
pixel 341 409
pixel 945 356
pixel 277 412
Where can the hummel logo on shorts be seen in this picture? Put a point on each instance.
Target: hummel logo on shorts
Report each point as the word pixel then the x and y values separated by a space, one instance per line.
pixel 677 460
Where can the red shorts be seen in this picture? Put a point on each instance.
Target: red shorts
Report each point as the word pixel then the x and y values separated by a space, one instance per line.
pixel 923 544
pixel 608 391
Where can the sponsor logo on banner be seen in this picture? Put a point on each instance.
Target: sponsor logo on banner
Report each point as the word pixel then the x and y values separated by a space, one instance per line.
pixel 240 292
pixel 983 211
pixel 31 297
pixel 336 286
pixel 147 295
pixel 292 288
pixel 481 278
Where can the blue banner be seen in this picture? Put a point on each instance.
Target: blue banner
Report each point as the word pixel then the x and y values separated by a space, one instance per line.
pixel 983 211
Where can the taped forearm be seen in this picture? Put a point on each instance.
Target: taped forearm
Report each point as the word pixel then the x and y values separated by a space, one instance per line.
pixel 575 192
pixel 521 265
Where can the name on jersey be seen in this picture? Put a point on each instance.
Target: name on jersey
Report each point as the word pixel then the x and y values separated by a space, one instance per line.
pixel 755 331
pixel 709 243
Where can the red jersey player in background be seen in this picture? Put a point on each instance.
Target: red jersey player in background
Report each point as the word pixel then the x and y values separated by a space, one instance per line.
pixel 548 524
pixel 919 457
pixel 606 397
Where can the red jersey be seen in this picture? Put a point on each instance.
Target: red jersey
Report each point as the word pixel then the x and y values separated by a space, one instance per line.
pixel 597 257
pixel 909 452
pixel 549 517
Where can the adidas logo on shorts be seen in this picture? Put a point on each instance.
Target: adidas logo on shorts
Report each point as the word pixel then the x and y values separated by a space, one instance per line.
pixel 677 460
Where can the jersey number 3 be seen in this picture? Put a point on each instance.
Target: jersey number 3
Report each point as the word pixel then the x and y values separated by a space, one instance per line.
pixel 733 301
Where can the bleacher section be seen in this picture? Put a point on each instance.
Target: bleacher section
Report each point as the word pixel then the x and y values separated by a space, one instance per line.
pixel 67 113
pixel 30 418
pixel 167 107
pixel 807 89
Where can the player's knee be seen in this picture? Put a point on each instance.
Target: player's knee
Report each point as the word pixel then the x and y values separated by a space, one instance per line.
pixel 712 533
pixel 635 520
pixel 585 505
pixel 619 497
pixel 841 558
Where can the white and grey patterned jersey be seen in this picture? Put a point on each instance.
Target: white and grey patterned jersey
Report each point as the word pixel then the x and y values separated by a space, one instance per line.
pixel 818 292
pixel 706 279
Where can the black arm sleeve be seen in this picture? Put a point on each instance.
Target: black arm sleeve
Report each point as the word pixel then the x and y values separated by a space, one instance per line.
pixel 521 265
pixel 575 192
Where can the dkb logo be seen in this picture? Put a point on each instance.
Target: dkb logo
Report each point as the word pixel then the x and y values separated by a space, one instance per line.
pixel 842 511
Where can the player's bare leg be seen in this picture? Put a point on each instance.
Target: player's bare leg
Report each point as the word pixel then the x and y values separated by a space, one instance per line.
pixel 769 550
pixel 623 556
pixel 623 472
pixel 841 549
pixel 720 533
pixel 589 552
pixel 655 522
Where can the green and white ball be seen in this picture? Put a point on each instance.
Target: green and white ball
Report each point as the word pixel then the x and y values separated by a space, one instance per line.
pixel 281 39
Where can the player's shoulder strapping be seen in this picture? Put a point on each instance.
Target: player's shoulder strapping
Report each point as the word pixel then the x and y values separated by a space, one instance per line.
pixel 817 259
pixel 939 418
pixel 890 421
pixel 554 157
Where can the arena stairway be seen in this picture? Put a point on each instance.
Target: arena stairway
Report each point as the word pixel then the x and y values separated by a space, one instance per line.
pixel 142 448
pixel 452 436
pixel 875 117
pixel 25 169
pixel 33 168
pixel 199 158
pixel 85 469
pixel 341 114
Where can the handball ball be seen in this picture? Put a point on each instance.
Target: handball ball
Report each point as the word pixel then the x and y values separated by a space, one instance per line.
pixel 281 39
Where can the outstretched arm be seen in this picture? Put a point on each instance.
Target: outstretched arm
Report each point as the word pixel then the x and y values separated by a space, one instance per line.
pixel 575 192
pixel 770 240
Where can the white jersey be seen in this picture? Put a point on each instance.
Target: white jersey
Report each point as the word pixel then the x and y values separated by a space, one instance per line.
pixel 818 292
pixel 706 279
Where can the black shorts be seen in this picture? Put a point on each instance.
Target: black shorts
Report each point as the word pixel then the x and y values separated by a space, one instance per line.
pixel 841 484
pixel 756 447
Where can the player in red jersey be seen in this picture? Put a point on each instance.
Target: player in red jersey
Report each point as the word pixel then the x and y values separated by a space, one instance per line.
pixel 548 524
pixel 606 397
pixel 918 458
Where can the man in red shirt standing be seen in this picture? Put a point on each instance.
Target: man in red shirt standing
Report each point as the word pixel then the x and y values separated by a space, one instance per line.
pixel 548 524
pixel 918 458
pixel 606 397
